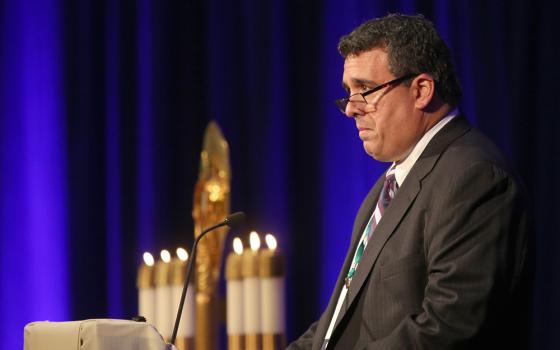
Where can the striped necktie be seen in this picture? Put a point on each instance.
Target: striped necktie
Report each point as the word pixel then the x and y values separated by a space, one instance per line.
pixel 388 192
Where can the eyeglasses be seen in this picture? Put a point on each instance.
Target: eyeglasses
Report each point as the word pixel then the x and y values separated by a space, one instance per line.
pixel 343 102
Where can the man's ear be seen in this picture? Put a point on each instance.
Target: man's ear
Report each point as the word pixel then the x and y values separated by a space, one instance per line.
pixel 424 89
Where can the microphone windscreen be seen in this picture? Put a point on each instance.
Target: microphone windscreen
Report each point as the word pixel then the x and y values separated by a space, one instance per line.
pixel 235 219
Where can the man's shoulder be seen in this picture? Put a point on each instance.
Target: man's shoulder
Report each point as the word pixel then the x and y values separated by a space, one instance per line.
pixel 473 159
pixel 472 148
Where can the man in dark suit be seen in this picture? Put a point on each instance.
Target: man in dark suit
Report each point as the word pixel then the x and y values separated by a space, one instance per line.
pixel 439 252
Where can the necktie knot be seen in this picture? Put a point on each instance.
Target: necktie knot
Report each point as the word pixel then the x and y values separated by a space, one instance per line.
pixel 389 190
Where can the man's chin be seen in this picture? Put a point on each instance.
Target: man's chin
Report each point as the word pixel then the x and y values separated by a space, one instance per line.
pixel 375 154
pixel 371 151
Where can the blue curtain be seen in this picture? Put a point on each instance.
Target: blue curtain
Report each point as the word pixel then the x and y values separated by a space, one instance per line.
pixel 34 203
pixel 103 105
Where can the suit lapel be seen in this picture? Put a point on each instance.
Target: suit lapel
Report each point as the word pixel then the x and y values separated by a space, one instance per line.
pixel 394 214
pixel 364 214
pixel 359 225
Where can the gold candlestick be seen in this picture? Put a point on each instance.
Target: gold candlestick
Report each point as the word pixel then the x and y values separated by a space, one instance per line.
pixel 164 314
pixel 234 297
pixel 185 334
pixel 146 291
pixel 272 274
pixel 252 294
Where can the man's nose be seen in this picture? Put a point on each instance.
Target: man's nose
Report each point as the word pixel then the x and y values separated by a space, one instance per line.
pixel 353 109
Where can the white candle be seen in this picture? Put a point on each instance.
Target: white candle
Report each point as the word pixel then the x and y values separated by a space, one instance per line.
pixel 146 291
pixel 252 293
pixel 164 314
pixel 272 296
pixel 234 297
pixel 186 326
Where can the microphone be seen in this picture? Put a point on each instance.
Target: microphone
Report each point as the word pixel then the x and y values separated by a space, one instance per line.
pixel 235 219
pixel 232 220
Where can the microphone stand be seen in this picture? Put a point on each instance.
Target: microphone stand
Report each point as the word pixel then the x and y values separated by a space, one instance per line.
pixel 229 221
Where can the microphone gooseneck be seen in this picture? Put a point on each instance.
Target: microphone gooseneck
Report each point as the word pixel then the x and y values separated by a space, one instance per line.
pixel 235 219
pixel 231 220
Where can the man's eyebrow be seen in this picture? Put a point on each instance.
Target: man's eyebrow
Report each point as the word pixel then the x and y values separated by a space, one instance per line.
pixel 359 82
pixel 366 82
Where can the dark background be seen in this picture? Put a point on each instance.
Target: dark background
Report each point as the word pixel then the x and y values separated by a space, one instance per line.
pixel 103 105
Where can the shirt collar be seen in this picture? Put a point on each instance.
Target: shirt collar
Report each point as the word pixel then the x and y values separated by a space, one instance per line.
pixel 402 168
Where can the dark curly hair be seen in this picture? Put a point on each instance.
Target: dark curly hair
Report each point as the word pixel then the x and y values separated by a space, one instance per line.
pixel 413 46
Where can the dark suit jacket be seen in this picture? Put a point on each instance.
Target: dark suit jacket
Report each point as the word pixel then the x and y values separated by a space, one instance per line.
pixel 446 267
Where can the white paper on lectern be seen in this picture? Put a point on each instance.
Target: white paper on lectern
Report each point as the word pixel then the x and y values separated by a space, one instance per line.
pixel 94 334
